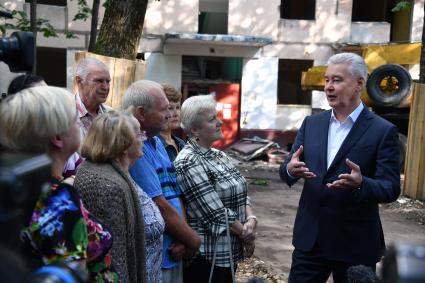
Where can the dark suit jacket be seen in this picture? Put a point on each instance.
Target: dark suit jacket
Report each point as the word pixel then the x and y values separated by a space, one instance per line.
pixel 345 223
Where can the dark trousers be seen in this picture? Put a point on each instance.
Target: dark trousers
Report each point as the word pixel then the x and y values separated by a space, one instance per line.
pixel 312 267
pixel 199 272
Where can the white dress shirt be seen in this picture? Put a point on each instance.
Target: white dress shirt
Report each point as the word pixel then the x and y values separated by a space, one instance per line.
pixel 338 131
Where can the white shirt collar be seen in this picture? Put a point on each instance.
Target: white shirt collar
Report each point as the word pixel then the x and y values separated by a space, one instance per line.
pixel 353 116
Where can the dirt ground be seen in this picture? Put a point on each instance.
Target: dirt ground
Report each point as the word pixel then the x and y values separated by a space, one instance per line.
pixel 275 206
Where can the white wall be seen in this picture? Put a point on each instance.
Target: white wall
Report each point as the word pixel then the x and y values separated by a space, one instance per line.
pixel 318 100
pixel 164 69
pixel 171 15
pixel 259 93
pixel 57 15
pixel 212 49
pixel 317 52
pixel 418 20
pixel 6 77
pixel 249 17
pixel 332 24
pixel 290 117
pixel 376 32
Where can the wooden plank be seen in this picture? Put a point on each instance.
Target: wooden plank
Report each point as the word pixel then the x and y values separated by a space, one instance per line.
pixel 124 76
pixel 409 166
pixel 140 70
pixel 421 177
pixel 414 182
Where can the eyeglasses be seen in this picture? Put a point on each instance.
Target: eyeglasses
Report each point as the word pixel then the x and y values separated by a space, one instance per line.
pixel 142 136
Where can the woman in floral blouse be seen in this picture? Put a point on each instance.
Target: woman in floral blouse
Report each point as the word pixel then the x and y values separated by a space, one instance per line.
pixel 41 120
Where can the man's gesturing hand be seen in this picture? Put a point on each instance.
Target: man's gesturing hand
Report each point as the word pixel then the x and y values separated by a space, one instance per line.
pixel 297 168
pixel 348 181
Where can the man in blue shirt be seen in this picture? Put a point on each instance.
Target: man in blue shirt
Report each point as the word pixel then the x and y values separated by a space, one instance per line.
pixel 155 174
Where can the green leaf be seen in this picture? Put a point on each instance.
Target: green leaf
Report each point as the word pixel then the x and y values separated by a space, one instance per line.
pixel 402 6
pixel 84 11
pixel 70 34
pixel 260 182
pixel 98 267
pixel 80 16
pixel 80 234
pixel 47 29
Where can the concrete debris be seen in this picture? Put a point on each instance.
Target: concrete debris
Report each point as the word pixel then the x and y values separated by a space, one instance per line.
pixel 247 149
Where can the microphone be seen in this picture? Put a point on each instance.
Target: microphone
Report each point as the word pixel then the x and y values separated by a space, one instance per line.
pixel 361 274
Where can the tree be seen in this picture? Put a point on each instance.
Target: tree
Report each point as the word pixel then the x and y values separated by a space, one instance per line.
pixel 121 28
pixel 93 28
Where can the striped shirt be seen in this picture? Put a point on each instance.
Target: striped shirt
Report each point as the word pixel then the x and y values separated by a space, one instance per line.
pixel 86 118
pixel 156 175
pixel 212 186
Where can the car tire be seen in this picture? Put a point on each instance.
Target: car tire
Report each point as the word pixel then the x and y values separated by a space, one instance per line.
pixel 388 85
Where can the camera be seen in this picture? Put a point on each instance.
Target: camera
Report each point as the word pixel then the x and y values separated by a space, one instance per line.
pixel 17 51
pixel 22 178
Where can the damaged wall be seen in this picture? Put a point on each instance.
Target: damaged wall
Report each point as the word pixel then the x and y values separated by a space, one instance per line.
pixel 258 94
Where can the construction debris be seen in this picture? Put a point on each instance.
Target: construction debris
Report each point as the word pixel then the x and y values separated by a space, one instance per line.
pixel 248 149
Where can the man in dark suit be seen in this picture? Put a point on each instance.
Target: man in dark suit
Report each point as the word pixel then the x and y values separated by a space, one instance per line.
pixel 349 160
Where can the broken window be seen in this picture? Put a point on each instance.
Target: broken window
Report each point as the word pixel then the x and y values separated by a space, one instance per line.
pixel 289 82
pixel 211 68
pixel 369 11
pixel 54 74
pixel 298 9
pixel 213 17
pixel 50 2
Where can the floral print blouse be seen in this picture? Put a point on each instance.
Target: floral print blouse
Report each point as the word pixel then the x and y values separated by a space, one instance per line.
pixel 62 229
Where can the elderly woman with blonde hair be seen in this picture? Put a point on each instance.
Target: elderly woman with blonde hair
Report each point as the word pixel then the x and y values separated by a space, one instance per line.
pixel 218 208
pixel 43 120
pixel 113 143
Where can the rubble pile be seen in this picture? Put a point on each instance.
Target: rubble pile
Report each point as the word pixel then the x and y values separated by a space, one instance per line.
pixel 251 268
pixel 413 210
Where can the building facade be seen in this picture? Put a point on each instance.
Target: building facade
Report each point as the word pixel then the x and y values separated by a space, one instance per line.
pixel 250 52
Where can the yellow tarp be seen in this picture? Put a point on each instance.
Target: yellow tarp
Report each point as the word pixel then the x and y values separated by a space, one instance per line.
pixel 402 53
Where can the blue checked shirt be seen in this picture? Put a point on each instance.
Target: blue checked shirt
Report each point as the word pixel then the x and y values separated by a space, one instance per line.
pixel 212 186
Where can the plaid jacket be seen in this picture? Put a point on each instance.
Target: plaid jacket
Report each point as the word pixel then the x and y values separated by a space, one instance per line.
pixel 212 186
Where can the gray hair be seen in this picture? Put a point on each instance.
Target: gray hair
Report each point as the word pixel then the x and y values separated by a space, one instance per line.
pixel 192 110
pixel 31 117
pixel 357 65
pixel 84 65
pixel 138 94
